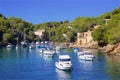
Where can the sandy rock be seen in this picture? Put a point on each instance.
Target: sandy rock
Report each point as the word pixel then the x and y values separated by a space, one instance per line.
pixel 117 49
pixel 113 49
pixel 108 48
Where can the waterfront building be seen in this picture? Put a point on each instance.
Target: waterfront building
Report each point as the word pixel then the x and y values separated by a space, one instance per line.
pixel 85 37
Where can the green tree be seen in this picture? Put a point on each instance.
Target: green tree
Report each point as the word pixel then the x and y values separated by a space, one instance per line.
pixel 7 38
pixel 99 35
pixel 116 11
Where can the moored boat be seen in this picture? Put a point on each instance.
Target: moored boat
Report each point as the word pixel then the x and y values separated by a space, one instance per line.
pixel 31 46
pixel 64 63
pixel 86 55
pixel 9 46
pixel 41 48
pixel 76 50
pixel 24 44
pixel 48 53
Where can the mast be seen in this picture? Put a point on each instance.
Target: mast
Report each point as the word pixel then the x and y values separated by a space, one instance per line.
pixel 49 33
pixel 17 39
pixel 24 36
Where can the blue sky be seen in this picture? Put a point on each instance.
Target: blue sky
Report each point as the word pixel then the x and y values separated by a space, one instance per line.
pixel 39 11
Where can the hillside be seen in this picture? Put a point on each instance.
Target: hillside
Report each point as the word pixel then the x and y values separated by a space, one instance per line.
pixel 13 28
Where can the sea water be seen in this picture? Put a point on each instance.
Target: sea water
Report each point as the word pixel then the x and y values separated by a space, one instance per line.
pixel 29 64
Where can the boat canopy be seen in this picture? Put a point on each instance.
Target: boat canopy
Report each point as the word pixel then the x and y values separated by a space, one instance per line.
pixel 64 57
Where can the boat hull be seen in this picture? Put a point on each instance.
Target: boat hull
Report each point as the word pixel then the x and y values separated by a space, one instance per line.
pixel 65 68
pixel 48 53
pixel 86 58
pixel 86 55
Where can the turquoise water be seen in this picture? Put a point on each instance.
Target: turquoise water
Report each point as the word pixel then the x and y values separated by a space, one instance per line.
pixel 28 64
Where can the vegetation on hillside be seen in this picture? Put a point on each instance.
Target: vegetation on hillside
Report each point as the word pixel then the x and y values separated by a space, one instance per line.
pixel 13 29
pixel 110 33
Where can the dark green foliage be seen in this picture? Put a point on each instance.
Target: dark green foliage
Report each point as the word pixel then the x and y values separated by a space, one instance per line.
pixel 3 17
pixel 99 35
pixel 83 24
pixel 13 28
pixel 109 33
pixel 7 38
pixel 116 11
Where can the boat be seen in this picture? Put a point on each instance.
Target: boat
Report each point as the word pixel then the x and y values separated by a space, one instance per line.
pixel 41 48
pixel 86 55
pixel 9 46
pixel 37 43
pixel 48 53
pixel 31 46
pixel 64 62
pixel 24 44
pixel 76 50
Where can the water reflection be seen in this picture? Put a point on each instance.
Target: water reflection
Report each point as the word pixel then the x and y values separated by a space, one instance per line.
pixel 114 58
pixel 9 49
pixel 13 53
pixel 87 65
pixel 63 75
pixel 113 67
pixel 6 53
pixel 31 50
pixel 84 62
pixel 47 58
pixel 17 53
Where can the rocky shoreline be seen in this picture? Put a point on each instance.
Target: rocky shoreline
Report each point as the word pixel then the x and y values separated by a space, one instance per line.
pixel 113 49
pixel 109 49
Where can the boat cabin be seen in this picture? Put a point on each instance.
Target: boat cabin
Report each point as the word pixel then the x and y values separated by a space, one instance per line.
pixel 64 58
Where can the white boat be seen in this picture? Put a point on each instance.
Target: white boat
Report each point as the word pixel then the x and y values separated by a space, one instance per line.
pixel 64 62
pixel 31 47
pixel 24 44
pixel 86 55
pixel 41 49
pixel 76 50
pixel 37 43
pixel 48 53
pixel 9 46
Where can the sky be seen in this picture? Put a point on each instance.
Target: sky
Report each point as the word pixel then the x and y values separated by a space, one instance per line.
pixel 40 11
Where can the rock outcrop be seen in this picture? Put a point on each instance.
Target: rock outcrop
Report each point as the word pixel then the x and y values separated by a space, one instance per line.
pixel 113 49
